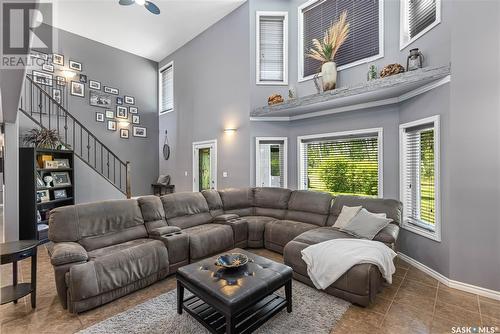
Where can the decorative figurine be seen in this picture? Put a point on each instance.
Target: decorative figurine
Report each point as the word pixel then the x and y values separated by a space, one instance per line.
pixel 48 180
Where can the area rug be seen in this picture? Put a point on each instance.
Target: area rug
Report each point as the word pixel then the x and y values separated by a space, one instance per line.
pixel 313 312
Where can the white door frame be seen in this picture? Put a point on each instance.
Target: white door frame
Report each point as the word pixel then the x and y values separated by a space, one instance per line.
pixel 285 158
pixel 212 145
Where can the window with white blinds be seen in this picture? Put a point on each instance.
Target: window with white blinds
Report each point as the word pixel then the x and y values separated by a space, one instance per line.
pixel 417 18
pixel 272 47
pixel 271 162
pixel 166 88
pixel 420 175
pixel 342 163
pixel 365 41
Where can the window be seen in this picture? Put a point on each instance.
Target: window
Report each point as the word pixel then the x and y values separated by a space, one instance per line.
pixel 271 162
pixel 342 163
pixel 166 88
pixel 416 18
pixel 365 41
pixel 272 48
pixel 419 173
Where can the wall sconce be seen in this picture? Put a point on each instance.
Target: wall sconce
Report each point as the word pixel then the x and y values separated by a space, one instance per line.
pixel 69 74
pixel 123 124
pixel 230 131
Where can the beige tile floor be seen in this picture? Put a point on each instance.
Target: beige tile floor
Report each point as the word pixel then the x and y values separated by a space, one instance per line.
pixel 414 303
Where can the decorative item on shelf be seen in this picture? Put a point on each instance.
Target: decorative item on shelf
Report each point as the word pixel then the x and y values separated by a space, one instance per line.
pixel 42 158
pixel 61 178
pixel 74 65
pixel 415 60
pixel 62 163
pixel 42 138
pixel 317 82
pixel 42 196
pixel 58 59
pixel 326 50
pixel 291 93
pixel 391 69
pixel 38 217
pixel 99 99
pixel 138 131
pixel 77 89
pixel 49 164
pixel 164 180
pixel 39 181
pixel 274 99
pixel 48 181
pixel 166 147
pixel 372 73
pixel 60 194
pixel 231 260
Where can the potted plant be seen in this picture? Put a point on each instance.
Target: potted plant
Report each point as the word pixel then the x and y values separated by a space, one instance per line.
pixel 43 138
pixel 326 50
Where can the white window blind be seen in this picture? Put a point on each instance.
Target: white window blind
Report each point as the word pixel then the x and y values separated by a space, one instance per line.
pixel 271 47
pixel 341 165
pixel 167 89
pixel 363 41
pixel 271 163
pixel 418 17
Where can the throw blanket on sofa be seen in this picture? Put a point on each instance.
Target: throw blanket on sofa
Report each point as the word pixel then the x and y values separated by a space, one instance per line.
pixel 329 260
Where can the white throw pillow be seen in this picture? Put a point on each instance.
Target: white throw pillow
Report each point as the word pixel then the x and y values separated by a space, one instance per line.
pixel 366 224
pixel 346 215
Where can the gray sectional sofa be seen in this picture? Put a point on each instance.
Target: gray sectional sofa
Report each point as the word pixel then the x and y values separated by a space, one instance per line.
pixel 102 251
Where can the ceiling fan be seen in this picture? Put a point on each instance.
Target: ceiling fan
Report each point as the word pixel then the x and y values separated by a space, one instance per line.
pixel 148 4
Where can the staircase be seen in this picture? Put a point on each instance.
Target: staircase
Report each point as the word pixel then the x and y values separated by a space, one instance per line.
pixel 50 111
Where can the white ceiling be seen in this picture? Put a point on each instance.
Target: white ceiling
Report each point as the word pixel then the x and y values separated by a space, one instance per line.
pixel 134 29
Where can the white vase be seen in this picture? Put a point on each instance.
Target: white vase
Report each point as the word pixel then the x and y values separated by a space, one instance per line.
pixel 329 75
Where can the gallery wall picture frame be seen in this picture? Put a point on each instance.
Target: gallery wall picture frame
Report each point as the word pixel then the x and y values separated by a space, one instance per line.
pixel 77 89
pixel 111 126
pixel 61 178
pixel 42 78
pixel 111 90
pixel 58 59
pixel 139 131
pixel 133 110
pixel 83 78
pixel 119 100
pixel 110 114
pixel 74 65
pixel 95 84
pixel 39 55
pixel 121 112
pixel 129 99
pixel 48 68
pixel 57 95
pixel 60 81
pixel 60 194
pixel 99 117
pixel 124 133
pixel 99 99
pixel 136 119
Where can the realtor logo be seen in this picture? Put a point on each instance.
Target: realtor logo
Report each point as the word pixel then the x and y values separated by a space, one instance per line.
pixel 25 21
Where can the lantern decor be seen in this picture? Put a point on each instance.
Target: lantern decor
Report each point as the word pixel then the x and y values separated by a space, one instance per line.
pixel 415 60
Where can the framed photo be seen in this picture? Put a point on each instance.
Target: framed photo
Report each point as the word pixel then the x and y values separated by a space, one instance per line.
pixel 42 78
pixel 129 99
pixel 121 112
pixel 112 125
pixel 62 163
pixel 39 181
pixel 60 81
pixel 42 196
pixel 110 114
pixel 61 178
pixel 119 100
pixel 39 55
pixel 95 84
pixel 138 131
pixel 99 99
pixel 50 164
pixel 135 119
pixel 133 110
pixel 111 90
pixel 99 117
pixel 56 95
pixel 124 133
pixel 83 78
pixel 60 194
pixel 48 68
pixel 74 65
pixel 58 59
pixel 77 89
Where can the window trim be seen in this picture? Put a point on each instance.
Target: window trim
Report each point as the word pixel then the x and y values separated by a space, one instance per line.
pixel 285 157
pixel 414 226
pixel 404 39
pixel 163 112
pixel 283 14
pixel 300 44
pixel 380 142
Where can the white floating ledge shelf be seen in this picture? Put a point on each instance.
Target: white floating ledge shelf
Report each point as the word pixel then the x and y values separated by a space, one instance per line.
pixel 375 93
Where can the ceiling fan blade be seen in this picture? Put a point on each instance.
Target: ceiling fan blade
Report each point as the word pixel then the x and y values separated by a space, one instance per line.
pixel 126 2
pixel 152 7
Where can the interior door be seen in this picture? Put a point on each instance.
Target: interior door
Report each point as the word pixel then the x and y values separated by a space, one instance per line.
pixel 204 165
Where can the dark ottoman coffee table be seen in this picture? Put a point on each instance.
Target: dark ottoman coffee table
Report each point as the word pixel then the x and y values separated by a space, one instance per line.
pixel 234 300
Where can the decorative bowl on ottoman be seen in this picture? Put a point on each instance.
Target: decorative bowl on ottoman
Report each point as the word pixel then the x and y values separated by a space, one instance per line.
pixel 231 260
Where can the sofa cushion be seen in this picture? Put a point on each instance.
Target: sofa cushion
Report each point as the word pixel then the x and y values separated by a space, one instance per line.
pixel 214 202
pixel 238 201
pixel 116 266
pixel 152 212
pixel 366 224
pixel 209 239
pixel 321 234
pixel 310 207
pixel 391 207
pixel 186 209
pixel 280 232
pixel 256 226
pixel 271 202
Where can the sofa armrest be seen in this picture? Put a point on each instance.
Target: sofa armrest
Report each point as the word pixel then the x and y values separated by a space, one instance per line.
pixel 159 231
pixel 67 252
pixel 239 226
pixel 388 234
pixel 225 217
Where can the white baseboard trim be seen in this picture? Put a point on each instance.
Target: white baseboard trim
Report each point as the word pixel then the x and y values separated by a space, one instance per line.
pixel 449 282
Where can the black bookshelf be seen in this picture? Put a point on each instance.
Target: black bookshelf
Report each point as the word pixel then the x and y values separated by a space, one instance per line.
pixel 30 202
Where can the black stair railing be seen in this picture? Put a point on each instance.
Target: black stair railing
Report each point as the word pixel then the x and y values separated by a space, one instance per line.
pixel 46 104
